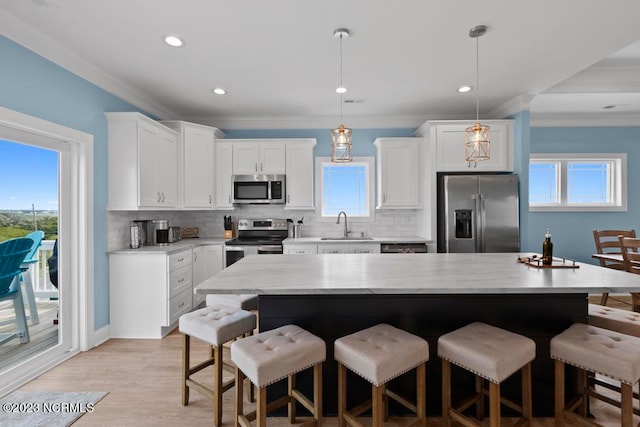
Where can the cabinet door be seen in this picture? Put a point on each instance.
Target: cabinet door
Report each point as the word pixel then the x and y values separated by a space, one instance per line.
pixel 299 185
pixel 199 151
pixel 246 158
pixel 334 248
pixel 272 157
pixel 366 248
pixel 212 257
pixel 399 173
pixel 197 266
pixel 450 149
pixel 168 170
pixel 223 172
pixel 149 158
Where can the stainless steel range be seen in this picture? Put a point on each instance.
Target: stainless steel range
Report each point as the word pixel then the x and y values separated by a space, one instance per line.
pixel 256 236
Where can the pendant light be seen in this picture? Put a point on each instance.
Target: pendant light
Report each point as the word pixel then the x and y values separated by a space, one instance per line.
pixel 341 136
pixel 477 138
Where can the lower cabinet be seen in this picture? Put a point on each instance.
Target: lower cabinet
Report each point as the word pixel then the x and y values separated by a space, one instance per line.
pixel 300 249
pixel 148 293
pixel 349 248
pixel 208 260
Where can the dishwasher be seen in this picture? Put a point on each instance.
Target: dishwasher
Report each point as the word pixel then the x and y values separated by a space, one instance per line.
pixel 403 248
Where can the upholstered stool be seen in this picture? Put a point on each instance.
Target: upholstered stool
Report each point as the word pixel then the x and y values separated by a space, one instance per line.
pixel 214 325
pixel 623 321
pixel 274 355
pixel 490 353
pixel 596 350
pixel 380 354
pixel 244 301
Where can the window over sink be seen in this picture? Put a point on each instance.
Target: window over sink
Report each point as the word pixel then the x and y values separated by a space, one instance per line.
pixel 345 187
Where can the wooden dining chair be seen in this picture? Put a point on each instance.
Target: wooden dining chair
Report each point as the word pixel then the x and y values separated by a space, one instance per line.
pixel 607 242
pixel 630 247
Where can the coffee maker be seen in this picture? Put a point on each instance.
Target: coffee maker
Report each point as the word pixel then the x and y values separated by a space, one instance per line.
pixel 158 232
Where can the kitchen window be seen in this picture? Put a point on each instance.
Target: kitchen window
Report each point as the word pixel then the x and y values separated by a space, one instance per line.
pixel 578 182
pixel 345 187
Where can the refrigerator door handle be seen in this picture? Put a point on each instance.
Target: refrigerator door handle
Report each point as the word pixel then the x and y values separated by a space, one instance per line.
pixel 479 223
pixel 477 228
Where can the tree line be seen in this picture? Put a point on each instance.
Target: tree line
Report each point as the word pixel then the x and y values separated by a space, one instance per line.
pixel 20 223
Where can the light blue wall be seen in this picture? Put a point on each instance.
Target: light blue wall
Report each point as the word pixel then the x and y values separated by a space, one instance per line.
pixel 571 231
pixel 35 86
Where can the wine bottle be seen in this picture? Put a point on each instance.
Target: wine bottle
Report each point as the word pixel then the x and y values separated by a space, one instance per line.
pixel 547 249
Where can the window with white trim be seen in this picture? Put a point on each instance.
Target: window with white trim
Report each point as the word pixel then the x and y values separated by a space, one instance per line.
pixel 578 182
pixel 345 187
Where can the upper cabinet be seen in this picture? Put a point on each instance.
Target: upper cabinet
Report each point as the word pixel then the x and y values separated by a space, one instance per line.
pixel 258 157
pixel 196 159
pixel 398 172
pixel 449 140
pixel 223 173
pixel 299 174
pixel 143 163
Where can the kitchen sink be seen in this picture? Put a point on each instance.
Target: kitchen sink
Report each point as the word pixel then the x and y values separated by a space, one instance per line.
pixel 346 238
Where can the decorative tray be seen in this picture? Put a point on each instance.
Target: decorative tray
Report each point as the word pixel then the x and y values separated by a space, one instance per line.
pixel 535 260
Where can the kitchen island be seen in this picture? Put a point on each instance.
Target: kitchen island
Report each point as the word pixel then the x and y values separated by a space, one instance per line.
pixel 425 294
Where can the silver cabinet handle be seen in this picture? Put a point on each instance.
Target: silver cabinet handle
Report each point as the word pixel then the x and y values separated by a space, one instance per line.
pixel 229 198
pixel 261 167
pixel 288 198
pixel 195 257
pixel 384 198
pixel 210 199
pixel 163 197
pixel 159 198
pixel 256 167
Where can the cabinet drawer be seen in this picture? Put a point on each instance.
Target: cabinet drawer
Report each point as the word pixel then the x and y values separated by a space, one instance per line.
pixel 180 259
pixel 179 280
pixel 179 305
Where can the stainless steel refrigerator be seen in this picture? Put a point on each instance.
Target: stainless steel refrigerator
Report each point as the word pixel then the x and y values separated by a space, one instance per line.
pixel 478 213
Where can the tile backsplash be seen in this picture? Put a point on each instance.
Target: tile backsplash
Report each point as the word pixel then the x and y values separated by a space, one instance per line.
pixel 387 223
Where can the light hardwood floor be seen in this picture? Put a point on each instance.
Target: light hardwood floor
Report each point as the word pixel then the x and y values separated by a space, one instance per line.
pixel 143 381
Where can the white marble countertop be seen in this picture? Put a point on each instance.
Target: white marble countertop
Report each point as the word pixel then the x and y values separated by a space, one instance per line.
pixel 434 273
pixel 172 247
pixel 312 240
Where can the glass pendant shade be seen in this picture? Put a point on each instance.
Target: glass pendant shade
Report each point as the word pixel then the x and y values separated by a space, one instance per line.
pixel 341 144
pixel 477 143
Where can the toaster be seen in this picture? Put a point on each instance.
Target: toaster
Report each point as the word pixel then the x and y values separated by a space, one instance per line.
pixel 174 234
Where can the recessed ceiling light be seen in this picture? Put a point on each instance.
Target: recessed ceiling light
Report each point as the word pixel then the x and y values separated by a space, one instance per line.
pixel 464 89
pixel 219 91
pixel 174 41
pixel 341 89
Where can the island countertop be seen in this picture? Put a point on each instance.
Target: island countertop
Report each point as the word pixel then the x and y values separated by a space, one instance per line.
pixel 454 273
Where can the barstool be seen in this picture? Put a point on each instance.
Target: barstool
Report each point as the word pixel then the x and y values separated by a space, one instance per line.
pixel 380 354
pixel 274 355
pixel 215 325
pixel 244 301
pixel 490 353
pixel 595 350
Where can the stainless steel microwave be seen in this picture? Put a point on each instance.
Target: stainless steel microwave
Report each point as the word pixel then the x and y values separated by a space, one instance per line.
pixel 258 188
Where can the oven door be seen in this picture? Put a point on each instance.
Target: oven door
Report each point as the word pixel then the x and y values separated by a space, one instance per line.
pixel 234 254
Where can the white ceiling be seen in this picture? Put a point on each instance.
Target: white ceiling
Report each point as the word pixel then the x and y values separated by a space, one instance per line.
pixel 279 61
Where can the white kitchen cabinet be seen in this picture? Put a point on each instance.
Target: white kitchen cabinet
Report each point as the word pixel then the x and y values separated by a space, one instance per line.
pixel 258 157
pixel 143 163
pixel 449 140
pixel 299 174
pixel 348 248
pixel 208 260
pixel 398 173
pixel 223 174
pixel 305 249
pixel 148 292
pixel 196 163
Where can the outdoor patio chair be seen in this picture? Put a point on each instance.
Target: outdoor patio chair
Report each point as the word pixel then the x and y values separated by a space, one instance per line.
pixel 26 278
pixel 12 254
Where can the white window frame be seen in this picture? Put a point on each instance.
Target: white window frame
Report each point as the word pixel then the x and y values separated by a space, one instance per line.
pixel 618 182
pixel 368 163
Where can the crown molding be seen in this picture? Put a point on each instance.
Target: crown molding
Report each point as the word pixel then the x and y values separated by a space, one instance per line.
pixel 513 106
pixel 312 122
pixel 584 120
pixel 32 39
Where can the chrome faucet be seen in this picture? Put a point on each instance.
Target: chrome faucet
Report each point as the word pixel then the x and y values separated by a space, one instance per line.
pixel 346 232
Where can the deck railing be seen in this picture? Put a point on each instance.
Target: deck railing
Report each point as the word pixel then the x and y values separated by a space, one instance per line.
pixel 42 286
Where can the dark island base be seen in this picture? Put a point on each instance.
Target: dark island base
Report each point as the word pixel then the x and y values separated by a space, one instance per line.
pixel 537 316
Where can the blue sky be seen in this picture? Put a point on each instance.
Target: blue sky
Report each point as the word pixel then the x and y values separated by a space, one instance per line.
pixel 28 175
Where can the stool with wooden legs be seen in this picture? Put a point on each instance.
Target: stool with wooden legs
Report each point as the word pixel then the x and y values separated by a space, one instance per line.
pixel 215 325
pixel 595 350
pixel 274 355
pixel 379 354
pixel 491 354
